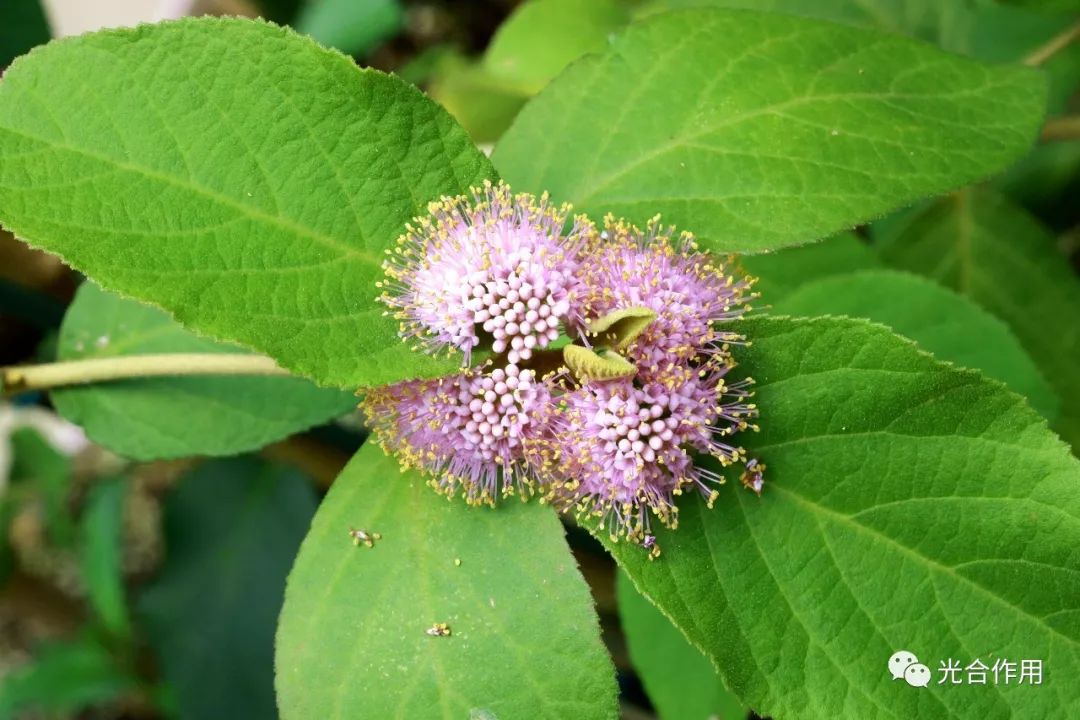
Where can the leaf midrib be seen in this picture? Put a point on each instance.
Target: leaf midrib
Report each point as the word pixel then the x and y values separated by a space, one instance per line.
pixel 341 248
pixel 849 521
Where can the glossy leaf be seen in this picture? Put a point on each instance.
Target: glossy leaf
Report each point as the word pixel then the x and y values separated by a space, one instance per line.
pixel 781 272
pixel 236 174
pixel 352 26
pixel 944 323
pixel 990 250
pixel 353 641
pixel 232 527
pixel 908 506
pixel 22 26
pixel 157 418
pixel 775 130
pixel 681 682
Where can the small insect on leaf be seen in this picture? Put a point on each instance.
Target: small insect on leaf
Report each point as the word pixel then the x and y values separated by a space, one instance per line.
pixel 439 630
pixel 753 476
pixel 650 544
pixel 365 537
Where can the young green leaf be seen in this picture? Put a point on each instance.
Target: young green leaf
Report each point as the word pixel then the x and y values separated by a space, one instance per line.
pixel 154 418
pixel 681 682
pixel 908 506
pixel 774 130
pixel 483 104
pixel 990 250
pixel 232 527
pixel 353 638
pixel 64 677
pixel 943 322
pixel 102 555
pixel 36 462
pixel 542 37
pixel 236 174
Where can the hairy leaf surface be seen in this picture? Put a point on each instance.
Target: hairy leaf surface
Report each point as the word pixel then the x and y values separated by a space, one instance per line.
pixel 236 174
pixel 353 643
pixel 758 131
pixel 909 506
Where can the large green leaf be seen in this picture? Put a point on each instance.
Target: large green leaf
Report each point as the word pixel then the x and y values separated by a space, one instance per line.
pixel 992 251
pixel 352 640
pixel 156 418
pixel 908 506
pixel 232 527
pixel 238 175
pixel 757 131
pixel 681 682
pixel 943 322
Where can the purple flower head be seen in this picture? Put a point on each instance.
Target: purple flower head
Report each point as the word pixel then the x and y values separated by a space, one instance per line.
pixel 622 450
pixel 688 290
pixel 491 268
pixel 467 430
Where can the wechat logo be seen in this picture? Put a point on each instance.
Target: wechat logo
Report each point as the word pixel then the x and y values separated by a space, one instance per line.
pixel 904 665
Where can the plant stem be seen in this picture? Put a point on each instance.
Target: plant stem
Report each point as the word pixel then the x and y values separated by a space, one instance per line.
pixel 1061 128
pixel 24 378
pixel 1053 46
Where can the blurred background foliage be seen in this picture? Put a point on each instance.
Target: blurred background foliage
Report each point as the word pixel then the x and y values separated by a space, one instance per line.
pixel 151 589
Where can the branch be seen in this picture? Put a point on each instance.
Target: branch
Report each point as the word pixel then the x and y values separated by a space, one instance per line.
pixel 1055 45
pixel 1061 128
pixel 18 379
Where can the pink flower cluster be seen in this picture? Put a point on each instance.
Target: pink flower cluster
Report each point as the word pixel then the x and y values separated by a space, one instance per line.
pixel 514 276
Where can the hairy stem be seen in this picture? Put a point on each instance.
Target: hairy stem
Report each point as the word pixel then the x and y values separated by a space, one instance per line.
pixel 1053 46
pixel 24 378
pixel 1061 128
